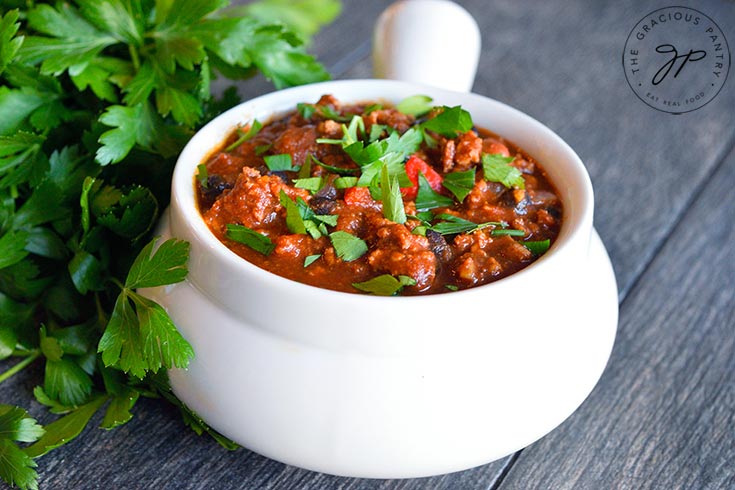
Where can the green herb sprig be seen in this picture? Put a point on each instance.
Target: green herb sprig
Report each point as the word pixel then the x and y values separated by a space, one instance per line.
pixel 97 98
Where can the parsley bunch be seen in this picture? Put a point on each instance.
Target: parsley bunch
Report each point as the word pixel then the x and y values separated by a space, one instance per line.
pixel 97 98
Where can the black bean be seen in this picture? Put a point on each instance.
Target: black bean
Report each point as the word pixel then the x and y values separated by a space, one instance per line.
pixel 506 198
pixel 281 175
pixel 327 192
pixel 322 205
pixel 439 245
pixel 554 212
pixel 216 185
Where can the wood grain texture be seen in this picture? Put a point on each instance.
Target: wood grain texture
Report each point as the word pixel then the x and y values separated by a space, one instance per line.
pixel 663 415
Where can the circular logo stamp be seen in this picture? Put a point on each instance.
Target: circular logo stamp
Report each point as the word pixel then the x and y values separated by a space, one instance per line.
pixel 676 59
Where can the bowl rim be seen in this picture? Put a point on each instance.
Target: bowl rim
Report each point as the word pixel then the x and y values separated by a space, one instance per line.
pixel 184 199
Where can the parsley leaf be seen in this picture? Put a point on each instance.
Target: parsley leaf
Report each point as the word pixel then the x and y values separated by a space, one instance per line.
pixel 64 429
pixel 203 175
pixel 348 247
pixel 253 129
pixel 538 247
pixel 344 182
pixel 310 259
pixel 450 122
pixel 12 248
pixel 66 382
pixel 294 214
pixel 415 105
pixel 460 183
pixel 303 16
pixel 251 238
pixel 385 285
pixel 453 225
pixel 131 125
pixel 17 425
pixel 333 169
pixel 508 232
pixel 497 168
pixel 166 266
pixel 280 163
pixel 392 199
pixel 9 43
pixel 427 198
pixel 306 110
pixel 312 184
pixel 16 467
pixel 140 336
pixel 301 219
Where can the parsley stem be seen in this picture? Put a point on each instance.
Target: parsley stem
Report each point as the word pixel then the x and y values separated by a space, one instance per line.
pixel 101 315
pixel 117 283
pixel 134 56
pixel 20 366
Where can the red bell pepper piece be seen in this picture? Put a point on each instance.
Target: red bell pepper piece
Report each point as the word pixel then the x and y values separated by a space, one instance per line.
pixel 414 165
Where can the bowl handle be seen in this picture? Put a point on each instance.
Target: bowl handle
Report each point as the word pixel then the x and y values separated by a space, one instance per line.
pixel 431 42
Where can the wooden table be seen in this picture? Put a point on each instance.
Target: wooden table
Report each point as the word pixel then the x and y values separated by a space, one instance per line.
pixel 663 414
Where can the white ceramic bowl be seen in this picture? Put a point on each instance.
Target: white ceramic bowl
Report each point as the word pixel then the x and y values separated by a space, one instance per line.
pixel 385 387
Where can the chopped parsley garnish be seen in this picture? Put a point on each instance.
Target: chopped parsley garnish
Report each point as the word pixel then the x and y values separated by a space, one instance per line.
pixel 415 105
pixel 331 168
pixel 261 149
pixel 427 198
pixel 344 182
pixel 450 122
pixel 251 238
pixel 280 163
pixel 460 183
pixel 538 247
pixel 372 107
pixel 305 169
pixel 203 175
pixel 329 113
pixel 306 110
pixel 508 232
pixel 348 247
pixel 301 219
pixel 295 213
pixel 329 219
pixel 452 225
pixel 497 168
pixel 310 259
pixel 312 184
pixel 385 285
pixel 377 130
pixel 254 128
pixel 451 287
pixel 392 199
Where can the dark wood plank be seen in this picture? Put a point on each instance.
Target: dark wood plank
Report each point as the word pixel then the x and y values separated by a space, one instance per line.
pixel 560 62
pixel 663 415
